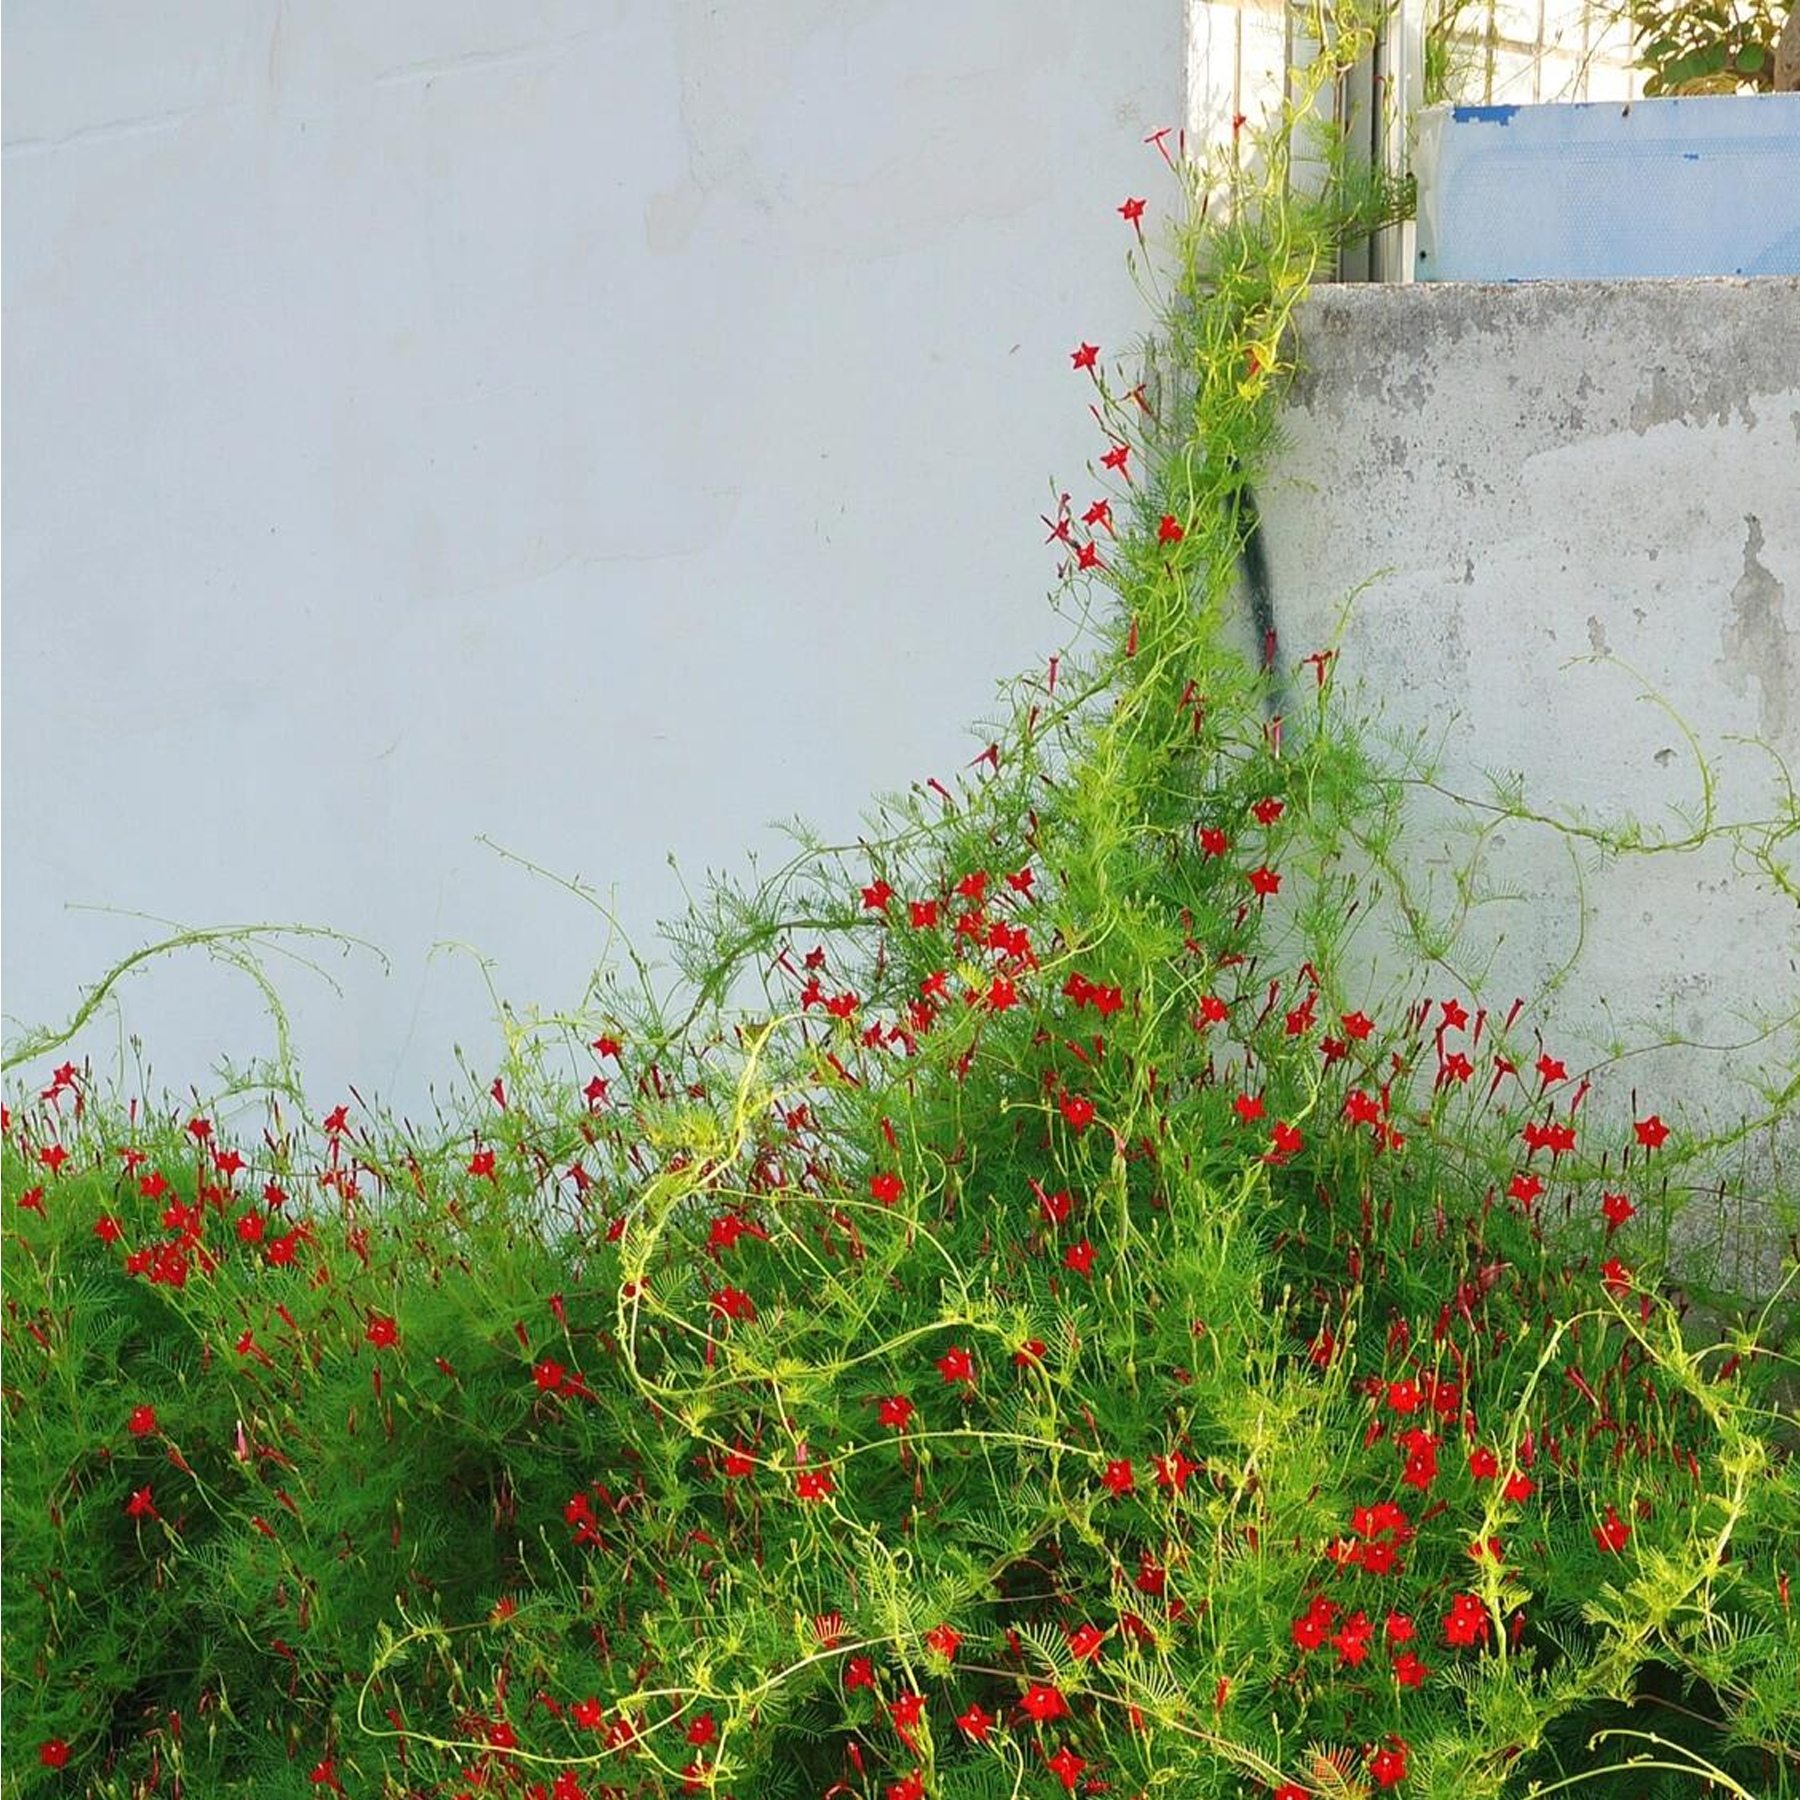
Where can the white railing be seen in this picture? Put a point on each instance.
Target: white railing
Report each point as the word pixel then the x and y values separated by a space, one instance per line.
pixel 1242 53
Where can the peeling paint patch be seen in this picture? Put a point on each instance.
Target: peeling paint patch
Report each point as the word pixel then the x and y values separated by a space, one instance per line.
pixel 1701 391
pixel 1757 643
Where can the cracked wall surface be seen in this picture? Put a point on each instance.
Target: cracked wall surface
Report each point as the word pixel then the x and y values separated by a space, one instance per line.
pixel 1577 509
pixel 426 420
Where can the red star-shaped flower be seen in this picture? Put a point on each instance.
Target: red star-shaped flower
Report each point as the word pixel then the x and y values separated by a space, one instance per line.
pixel 957 1365
pixel 1387 1766
pixel 1421 1467
pixel 1553 1135
pixel 1085 356
pixel 1651 1132
pixel 896 1409
pixel 813 1484
pixel 1525 1189
pixel 976 1724
pixel 1044 1703
pixel 1078 1109
pixel 1174 1471
pixel 906 1711
pixel 1613 1534
pixel 1466 1622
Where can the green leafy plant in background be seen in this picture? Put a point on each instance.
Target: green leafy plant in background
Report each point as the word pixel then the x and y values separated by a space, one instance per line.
pixel 1020 1314
pixel 1706 46
pixel 1682 46
pixel 1458 40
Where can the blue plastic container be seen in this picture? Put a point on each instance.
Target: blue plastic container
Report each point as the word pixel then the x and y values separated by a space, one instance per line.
pixel 1704 186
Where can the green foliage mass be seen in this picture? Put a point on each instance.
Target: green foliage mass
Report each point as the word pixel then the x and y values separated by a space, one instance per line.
pixel 1051 1335
pixel 1709 47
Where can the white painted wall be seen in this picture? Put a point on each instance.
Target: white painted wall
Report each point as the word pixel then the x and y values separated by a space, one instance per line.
pixel 603 424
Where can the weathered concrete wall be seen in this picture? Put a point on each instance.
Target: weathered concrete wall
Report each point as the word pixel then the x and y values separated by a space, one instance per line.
pixel 1241 54
pixel 1538 476
pixel 429 419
